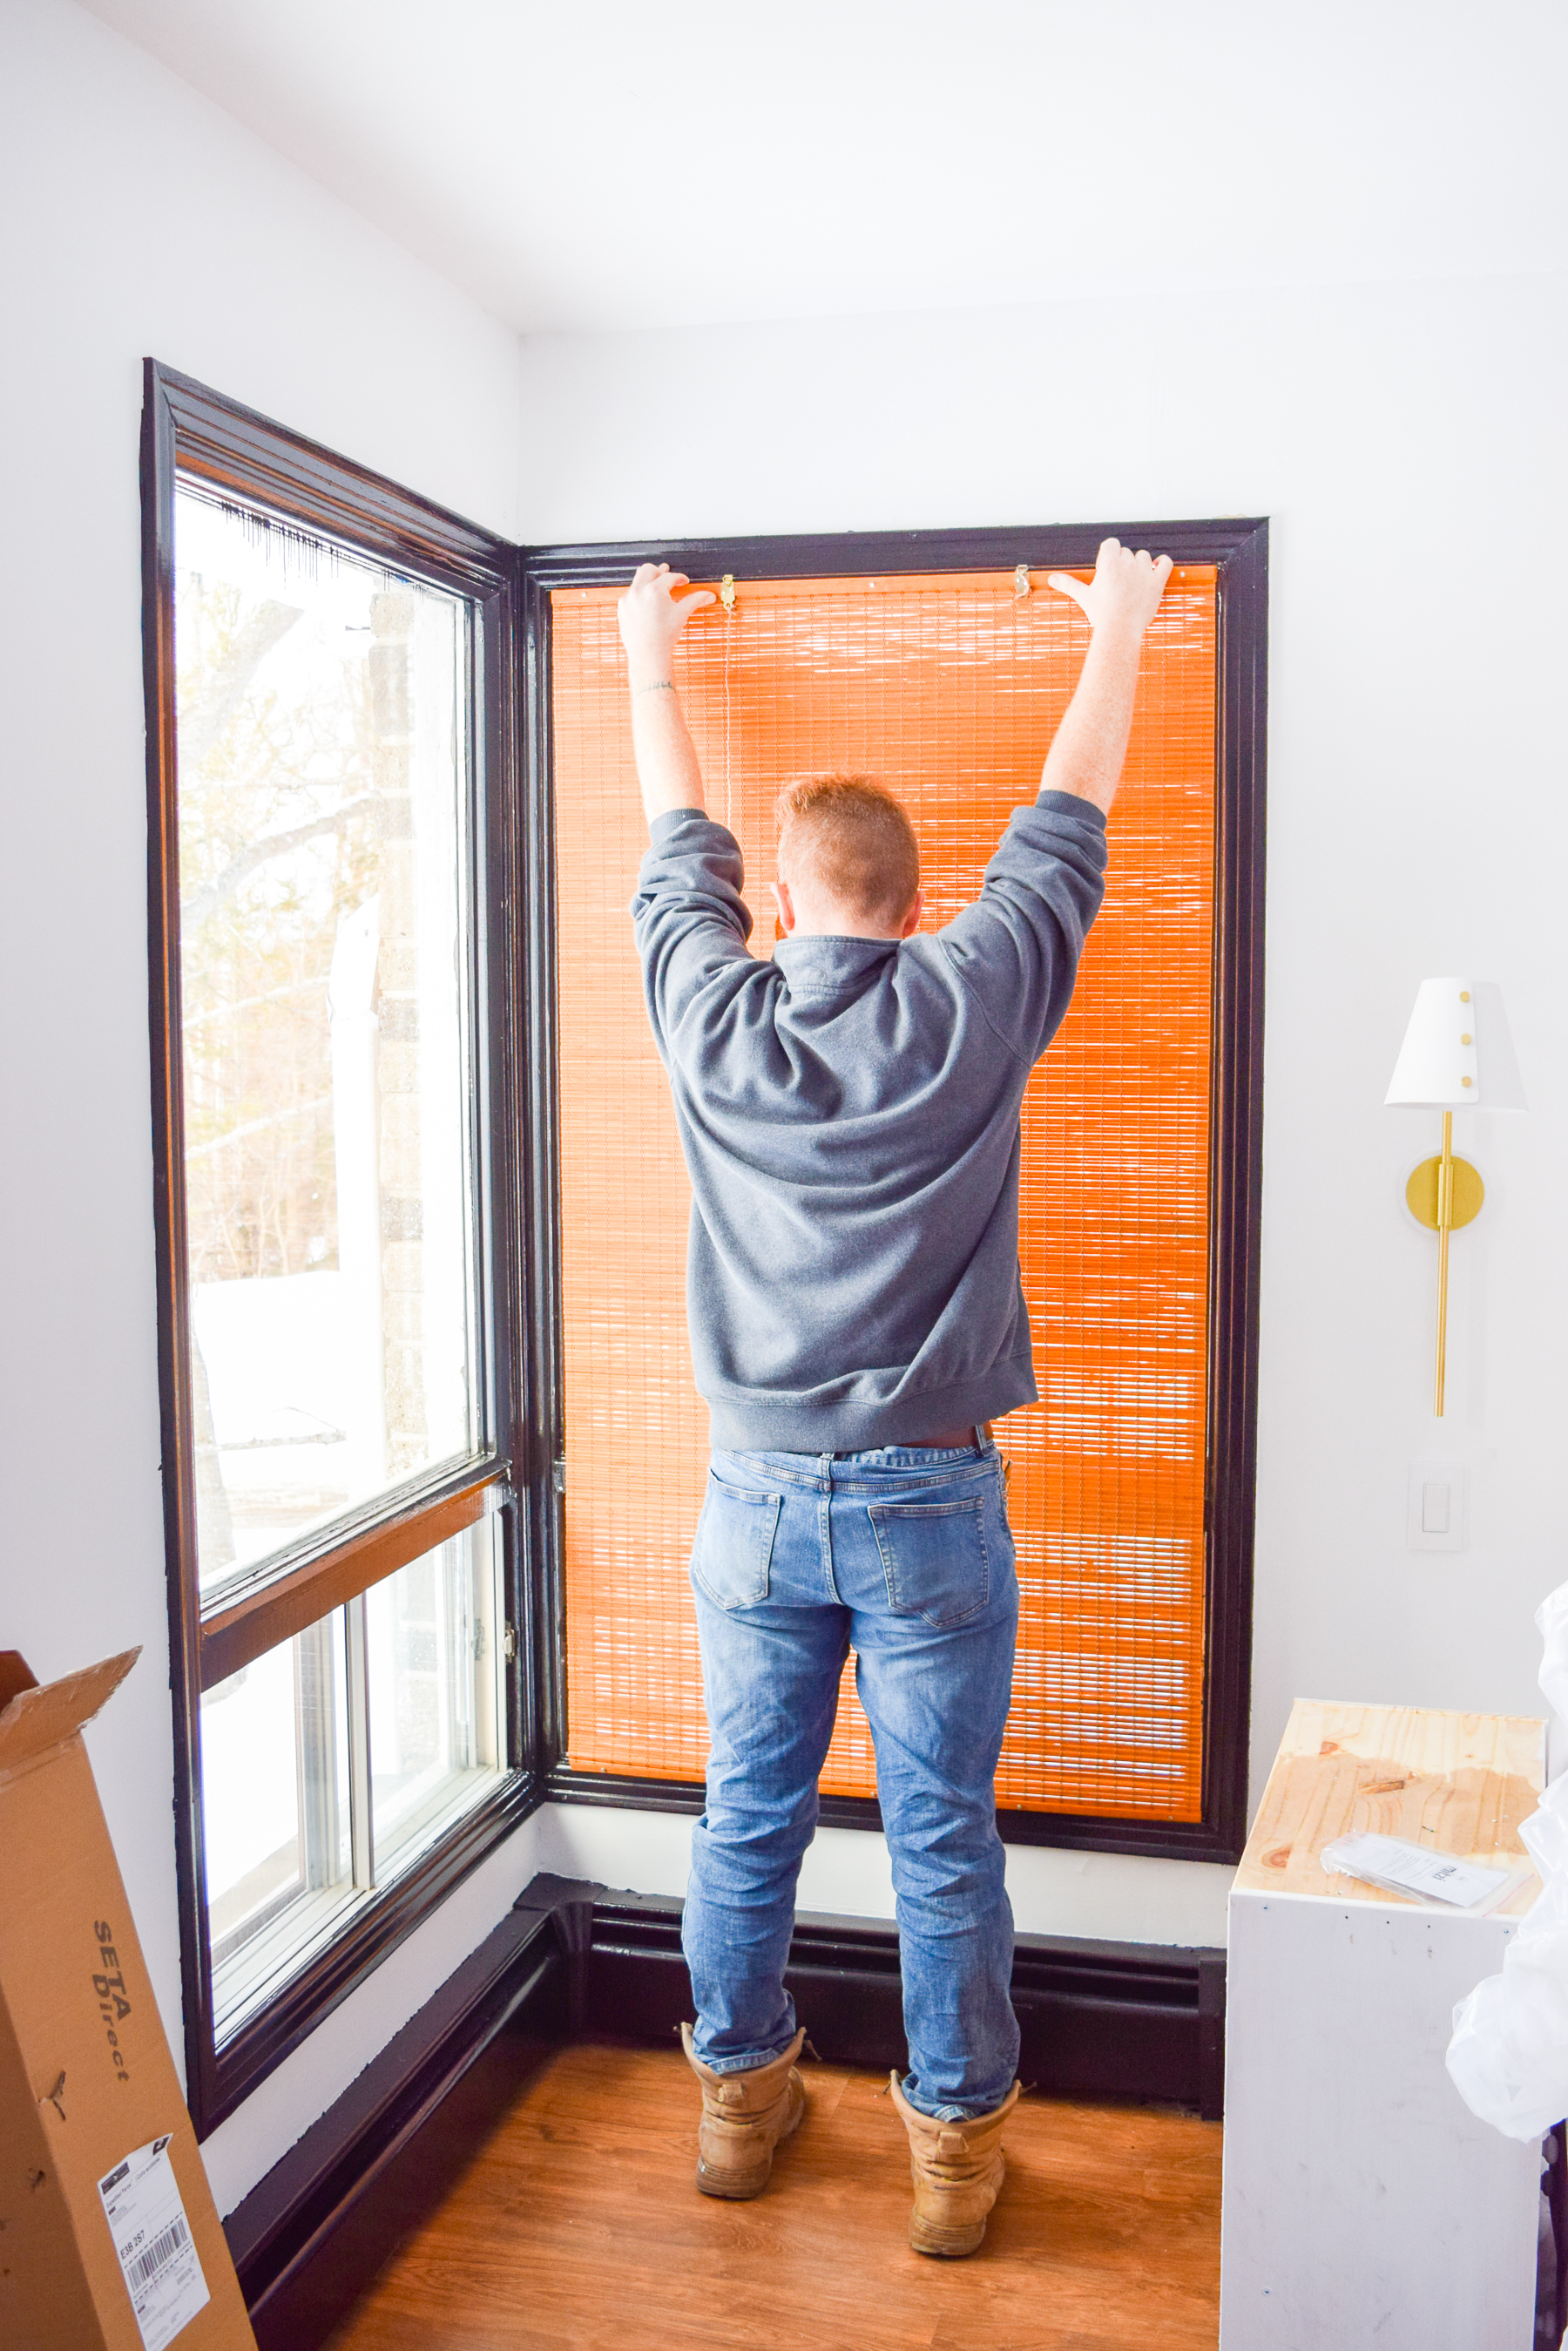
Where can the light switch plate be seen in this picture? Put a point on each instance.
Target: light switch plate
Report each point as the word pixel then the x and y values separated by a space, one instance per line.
pixel 1437 1506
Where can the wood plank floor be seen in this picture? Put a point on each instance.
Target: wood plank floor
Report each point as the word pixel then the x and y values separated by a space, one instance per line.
pixel 573 2222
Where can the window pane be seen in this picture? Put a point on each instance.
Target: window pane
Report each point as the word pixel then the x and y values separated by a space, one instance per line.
pixel 436 1736
pixel 325 960
pixel 390 1712
pixel 275 1800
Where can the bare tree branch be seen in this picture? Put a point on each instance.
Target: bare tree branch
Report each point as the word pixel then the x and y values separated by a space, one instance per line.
pixel 205 721
pixel 256 1126
pixel 194 910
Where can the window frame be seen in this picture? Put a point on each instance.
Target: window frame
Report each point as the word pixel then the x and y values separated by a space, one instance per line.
pixel 1239 550
pixel 190 431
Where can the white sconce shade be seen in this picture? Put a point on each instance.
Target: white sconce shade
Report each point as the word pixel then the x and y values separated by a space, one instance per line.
pixel 1458 1053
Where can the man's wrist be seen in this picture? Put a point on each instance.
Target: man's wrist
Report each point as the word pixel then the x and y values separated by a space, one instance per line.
pixel 1120 629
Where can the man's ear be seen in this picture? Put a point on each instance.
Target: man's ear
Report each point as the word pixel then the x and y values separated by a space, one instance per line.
pixel 912 919
pixel 785 905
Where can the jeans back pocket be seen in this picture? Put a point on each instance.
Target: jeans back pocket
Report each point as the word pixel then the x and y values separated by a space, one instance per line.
pixel 934 1557
pixel 734 1546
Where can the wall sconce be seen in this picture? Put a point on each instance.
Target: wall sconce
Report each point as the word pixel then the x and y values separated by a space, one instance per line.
pixel 1457 1054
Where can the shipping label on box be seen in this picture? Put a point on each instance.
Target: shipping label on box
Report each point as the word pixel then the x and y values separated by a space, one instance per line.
pixel 158 2258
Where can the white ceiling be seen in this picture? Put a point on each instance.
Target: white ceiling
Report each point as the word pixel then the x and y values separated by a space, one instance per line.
pixel 600 163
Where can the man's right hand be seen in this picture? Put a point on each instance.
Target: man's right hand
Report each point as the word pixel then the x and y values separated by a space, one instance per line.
pixel 1125 592
pixel 652 617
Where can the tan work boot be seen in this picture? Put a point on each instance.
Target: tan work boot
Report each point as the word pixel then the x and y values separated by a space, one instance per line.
pixel 744 2115
pixel 957 2169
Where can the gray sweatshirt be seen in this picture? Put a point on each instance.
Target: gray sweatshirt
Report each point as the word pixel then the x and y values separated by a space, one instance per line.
pixel 849 1117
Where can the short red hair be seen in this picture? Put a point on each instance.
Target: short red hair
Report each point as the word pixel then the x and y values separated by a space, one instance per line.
pixel 855 840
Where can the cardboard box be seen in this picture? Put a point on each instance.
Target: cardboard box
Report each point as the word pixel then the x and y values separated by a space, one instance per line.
pixel 109 2239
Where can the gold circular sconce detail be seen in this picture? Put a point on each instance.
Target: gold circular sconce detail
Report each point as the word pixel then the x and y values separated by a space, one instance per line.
pixel 1421 1193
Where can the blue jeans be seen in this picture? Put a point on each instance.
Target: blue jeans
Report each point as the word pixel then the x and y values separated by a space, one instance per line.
pixel 905 1553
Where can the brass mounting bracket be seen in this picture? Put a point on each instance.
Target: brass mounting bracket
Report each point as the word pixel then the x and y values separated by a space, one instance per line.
pixel 1465 1200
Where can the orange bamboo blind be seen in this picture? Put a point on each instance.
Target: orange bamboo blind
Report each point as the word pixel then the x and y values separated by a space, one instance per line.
pixel 948 688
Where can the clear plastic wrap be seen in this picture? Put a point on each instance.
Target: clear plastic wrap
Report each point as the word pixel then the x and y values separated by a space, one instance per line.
pixel 1509 2055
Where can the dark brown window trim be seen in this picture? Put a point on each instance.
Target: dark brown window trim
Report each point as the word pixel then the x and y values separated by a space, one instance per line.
pixel 1239 549
pixel 190 430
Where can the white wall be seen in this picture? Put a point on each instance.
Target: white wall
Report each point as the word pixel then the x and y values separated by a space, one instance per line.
pixel 1407 442
pixel 141 219
pixel 846 1872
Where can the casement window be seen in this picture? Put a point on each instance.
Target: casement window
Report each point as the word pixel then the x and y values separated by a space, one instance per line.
pixel 940 662
pixel 431 1453
pixel 331 684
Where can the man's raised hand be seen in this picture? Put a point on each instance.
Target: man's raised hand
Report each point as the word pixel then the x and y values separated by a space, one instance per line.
pixel 652 617
pixel 1090 746
pixel 1125 592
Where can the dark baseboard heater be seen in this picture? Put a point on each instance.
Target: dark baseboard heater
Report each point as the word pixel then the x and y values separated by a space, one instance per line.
pixel 1141 2023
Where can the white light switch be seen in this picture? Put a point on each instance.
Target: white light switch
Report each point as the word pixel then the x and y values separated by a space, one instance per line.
pixel 1436 1514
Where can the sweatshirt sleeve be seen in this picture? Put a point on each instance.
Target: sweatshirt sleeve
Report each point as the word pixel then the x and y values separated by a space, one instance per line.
pixel 690 921
pixel 1017 946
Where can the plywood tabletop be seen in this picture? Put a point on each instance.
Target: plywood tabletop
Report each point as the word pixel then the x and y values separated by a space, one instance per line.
pixel 1458 1783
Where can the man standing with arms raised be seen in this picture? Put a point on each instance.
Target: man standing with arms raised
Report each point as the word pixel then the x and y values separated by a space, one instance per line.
pixel 850 1116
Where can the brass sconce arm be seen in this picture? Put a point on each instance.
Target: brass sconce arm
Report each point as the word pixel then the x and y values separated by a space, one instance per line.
pixel 1444 1194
